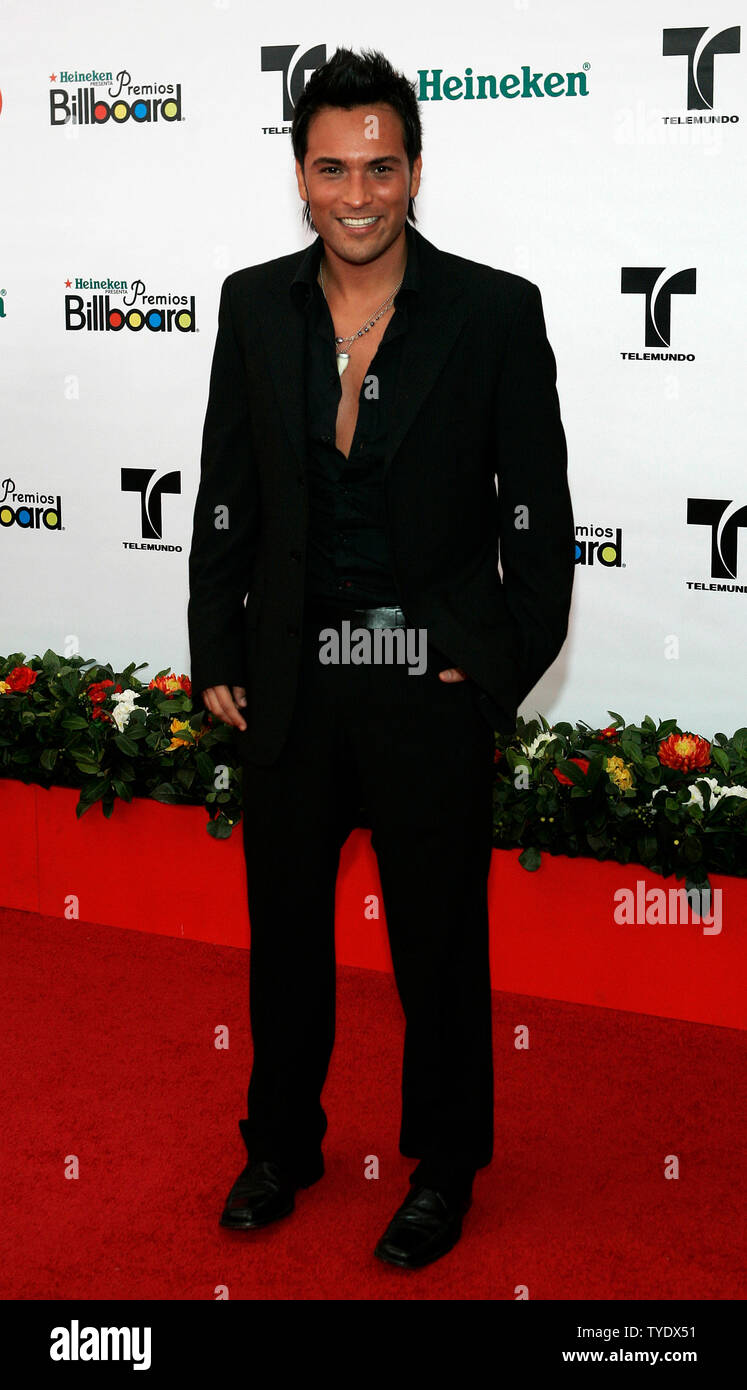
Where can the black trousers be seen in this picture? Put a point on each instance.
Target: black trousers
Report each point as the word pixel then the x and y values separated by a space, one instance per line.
pixel 417 753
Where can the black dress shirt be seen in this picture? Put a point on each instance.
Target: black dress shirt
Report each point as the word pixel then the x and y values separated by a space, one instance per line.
pixel 348 560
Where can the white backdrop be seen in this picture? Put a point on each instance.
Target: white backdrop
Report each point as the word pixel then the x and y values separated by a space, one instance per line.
pixel 567 190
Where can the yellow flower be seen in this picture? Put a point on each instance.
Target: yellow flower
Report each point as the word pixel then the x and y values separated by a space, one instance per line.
pixel 619 773
pixel 176 725
pixel 3 687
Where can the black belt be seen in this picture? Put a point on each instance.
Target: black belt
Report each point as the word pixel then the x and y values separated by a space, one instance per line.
pixel 386 615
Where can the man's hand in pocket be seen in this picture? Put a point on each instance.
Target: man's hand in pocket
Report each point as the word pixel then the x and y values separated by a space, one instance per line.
pixel 223 703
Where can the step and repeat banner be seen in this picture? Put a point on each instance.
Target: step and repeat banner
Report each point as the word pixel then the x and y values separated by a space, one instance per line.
pixel 597 150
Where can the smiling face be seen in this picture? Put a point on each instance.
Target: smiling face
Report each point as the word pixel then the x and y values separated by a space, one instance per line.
pixel 356 170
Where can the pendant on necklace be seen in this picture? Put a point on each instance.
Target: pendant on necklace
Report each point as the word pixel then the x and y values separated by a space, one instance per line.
pixel 342 361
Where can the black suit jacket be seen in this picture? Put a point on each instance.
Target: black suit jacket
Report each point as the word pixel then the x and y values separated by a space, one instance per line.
pixel 476 400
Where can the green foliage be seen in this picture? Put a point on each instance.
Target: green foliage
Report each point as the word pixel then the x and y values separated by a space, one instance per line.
pixel 54 734
pixel 609 810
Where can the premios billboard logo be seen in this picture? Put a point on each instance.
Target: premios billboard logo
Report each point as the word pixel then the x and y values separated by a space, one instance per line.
pixel 599 545
pixel 99 97
pixel 434 84
pixel 108 306
pixel 29 511
pixel 724 519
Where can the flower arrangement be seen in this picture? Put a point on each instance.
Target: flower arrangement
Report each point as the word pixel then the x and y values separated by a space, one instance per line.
pixel 68 722
pixel 648 794
pixel 632 793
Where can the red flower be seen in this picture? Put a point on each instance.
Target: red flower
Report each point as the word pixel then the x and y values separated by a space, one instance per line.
pixel 20 678
pixel 98 691
pixel 685 751
pixel 583 763
pixel 609 732
pixel 99 713
pixel 172 685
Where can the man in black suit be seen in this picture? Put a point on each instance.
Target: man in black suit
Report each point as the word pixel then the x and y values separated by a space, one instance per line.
pixel 365 394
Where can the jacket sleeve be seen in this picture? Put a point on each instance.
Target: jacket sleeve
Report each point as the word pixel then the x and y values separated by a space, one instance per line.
pixel 537 534
pixel 226 520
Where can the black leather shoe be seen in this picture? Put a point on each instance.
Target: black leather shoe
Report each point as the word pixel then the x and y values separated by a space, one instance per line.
pixel 426 1226
pixel 263 1192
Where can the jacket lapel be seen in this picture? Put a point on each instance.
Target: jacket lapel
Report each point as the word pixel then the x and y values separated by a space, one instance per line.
pixel 441 315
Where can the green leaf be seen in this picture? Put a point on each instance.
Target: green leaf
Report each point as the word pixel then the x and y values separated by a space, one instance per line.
pixel 69 680
pixel 125 745
pixel 530 858
pixel 594 770
pixel 720 758
pixel 84 765
pixel 219 829
pixel 165 791
pixel 596 841
pixel 205 766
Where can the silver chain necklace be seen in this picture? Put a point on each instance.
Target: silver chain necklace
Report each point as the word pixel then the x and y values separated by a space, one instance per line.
pixel 344 357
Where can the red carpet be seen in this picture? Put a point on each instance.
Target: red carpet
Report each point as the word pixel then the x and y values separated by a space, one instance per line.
pixel 109 1056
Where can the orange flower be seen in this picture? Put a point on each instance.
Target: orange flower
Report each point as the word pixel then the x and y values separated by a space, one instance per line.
pixel 583 763
pixel 172 685
pixel 20 678
pixel 685 751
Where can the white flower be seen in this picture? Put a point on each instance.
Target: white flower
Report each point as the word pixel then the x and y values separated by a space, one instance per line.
pixel 531 748
pixel 125 697
pixel 696 796
pixel 124 704
pixel 717 792
pixel 736 790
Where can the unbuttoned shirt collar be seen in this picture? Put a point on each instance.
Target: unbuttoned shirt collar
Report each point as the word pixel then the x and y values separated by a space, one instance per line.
pixel 305 278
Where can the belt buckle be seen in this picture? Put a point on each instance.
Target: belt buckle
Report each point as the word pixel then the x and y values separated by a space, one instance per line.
pixel 386 615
